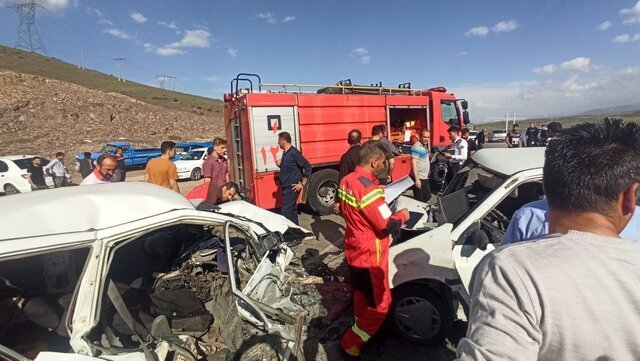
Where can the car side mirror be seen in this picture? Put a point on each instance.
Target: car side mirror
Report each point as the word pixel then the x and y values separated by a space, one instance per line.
pixel 480 239
pixel 465 117
pixel 464 104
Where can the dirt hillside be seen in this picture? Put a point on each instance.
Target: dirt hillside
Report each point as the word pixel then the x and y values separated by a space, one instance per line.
pixel 42 116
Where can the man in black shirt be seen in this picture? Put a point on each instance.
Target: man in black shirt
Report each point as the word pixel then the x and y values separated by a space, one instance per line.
pixel 480 139
pixel 532 135
pixel 349 160
pixel 295 171
pixel 472 145
pixel 85 165
pixel 36 175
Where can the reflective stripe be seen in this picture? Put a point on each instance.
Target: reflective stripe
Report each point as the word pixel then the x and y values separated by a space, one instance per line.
pixel 371 197
pixel 358 331
pixel 378 251
pixel 349 199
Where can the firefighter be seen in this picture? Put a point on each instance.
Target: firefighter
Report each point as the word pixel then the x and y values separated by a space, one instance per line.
pixel 369 222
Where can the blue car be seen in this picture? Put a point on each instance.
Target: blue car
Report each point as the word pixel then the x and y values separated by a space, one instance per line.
pixel 132 156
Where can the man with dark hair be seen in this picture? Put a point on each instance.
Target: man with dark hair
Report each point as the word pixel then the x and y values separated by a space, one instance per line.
pixel 472 145
pixel 85 165
pixel 217 195
pixel 57 170
pixel 377 134
pixel 481 138
pixel 530 301
pixel 349 160
pixel 386 142
pixel 421 166
pixel 121 169
pixel 35 175
pixel 162 171
pixel 554 130
pixel 295 171
pixel 532 135
pixel 104 172
pixel 513 137
pixel 216 168
pixel 369 222
pixel 543 136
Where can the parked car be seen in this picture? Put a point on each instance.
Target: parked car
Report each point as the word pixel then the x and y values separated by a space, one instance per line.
pixel 497 135
pixel 132 271
pixel 473 134
pixel 190 165
pixel 13 173
pixel 132 156
pixel 430 265
pixel 182 148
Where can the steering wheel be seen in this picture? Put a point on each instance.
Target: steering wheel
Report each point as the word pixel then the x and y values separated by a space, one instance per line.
pixel 499 216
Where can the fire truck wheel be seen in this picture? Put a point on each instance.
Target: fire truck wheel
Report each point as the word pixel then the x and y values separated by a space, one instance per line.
pixel 322 191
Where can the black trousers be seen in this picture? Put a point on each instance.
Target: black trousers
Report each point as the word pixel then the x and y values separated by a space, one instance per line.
pixel 289 208
pixel 422 194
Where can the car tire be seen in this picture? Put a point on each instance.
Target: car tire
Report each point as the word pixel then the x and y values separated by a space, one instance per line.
pixel 196 174
pixel 323 186
pixel 10 189
pixel 420 316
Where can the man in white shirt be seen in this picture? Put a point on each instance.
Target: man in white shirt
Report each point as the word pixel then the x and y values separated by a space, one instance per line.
pixel 460 150
pixel 56 169
pixel 103 172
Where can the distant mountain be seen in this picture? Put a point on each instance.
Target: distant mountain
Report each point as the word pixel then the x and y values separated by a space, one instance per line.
pixel 612 110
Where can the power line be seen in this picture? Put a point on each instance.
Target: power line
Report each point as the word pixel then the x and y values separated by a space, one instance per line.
pixel 28 37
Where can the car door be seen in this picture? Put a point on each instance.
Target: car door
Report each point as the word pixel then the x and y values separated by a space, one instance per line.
pixel 4 174
pixel 466 254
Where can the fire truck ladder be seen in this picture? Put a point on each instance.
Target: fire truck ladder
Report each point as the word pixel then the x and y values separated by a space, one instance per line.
pixel 344 87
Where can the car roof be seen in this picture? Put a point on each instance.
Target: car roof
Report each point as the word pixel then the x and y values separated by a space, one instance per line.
pixel 119 143
pixel 83 208
pixel 508 161
pixel 17 157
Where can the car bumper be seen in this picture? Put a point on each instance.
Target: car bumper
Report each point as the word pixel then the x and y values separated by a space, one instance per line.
pixel 184 175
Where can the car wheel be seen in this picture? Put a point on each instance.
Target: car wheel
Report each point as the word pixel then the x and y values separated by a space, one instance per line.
pixel 10 189
pixel 196 174
pixel 420 316
pixel 323 186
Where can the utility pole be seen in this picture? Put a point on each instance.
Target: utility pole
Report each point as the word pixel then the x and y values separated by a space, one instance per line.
pixel 166 82
pixel 28 37
pixel 120 68
pixel 80 59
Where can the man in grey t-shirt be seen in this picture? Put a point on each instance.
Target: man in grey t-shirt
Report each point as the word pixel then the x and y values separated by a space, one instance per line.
pixel 574 294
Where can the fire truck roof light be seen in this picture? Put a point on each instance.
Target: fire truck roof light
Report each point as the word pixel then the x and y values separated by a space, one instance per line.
pixel 439 89
pixel 227 97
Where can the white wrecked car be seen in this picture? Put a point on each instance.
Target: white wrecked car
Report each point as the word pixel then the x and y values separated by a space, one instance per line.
pixel 132 271
pixel 431 265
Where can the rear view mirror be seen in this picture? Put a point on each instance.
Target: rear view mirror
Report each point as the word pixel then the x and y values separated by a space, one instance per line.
pixel 464 104
pixel 465 117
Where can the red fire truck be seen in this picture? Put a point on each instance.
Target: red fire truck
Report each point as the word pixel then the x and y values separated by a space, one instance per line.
pixel 319 119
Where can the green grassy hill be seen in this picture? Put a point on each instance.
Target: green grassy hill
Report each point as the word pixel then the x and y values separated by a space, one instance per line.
pixel 30 63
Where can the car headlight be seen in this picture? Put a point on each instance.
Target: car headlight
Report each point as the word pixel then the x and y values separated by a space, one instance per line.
pixel 183 170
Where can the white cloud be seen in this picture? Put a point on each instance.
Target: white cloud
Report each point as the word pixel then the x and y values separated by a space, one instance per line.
pixel 51 5
pixel 547 69
pixel 462 53
pixel 600 88
pixel 105 22
pixel 170 24
pixel 505 26
pixel 288 18
pixel 169 51
pixel 213 78
pixel 94 11
pixel 624 38
pixel 138 17
pixel 579 63
pixel 604 25
pixel 477 31
pixel 193 38
pixel 362 53
pixel 631 15
pixel 232 52
pixel 117 33
pixel 269 17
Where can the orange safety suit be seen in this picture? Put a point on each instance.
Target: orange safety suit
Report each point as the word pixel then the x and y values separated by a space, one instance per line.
pixel 369 222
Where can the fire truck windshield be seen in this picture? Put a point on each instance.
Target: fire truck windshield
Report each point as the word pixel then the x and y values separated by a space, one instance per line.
pixel 449 112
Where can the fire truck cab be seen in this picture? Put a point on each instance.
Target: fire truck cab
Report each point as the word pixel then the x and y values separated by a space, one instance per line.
pixel 319 119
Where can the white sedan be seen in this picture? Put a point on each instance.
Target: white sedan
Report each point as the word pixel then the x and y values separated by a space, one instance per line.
pixel 13 174
pixel 190 165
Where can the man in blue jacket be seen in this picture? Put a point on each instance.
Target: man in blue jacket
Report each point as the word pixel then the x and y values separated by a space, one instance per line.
pixel 295 171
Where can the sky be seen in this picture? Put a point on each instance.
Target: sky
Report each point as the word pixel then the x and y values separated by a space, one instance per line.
pixel 531 58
